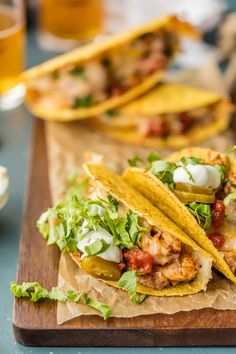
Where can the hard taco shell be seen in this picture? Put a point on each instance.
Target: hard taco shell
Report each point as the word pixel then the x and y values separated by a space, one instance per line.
pixel 167 98
pixel 126 195
pixel 160 196
pixel 92 51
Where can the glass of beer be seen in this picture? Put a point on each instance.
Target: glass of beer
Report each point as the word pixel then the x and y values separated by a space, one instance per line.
pixel 65 23
pixel 11 52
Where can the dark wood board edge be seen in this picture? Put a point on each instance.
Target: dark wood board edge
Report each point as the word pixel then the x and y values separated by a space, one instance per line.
pixel 75 332
pixel 123 338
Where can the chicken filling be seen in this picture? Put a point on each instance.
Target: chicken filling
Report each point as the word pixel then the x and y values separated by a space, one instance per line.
pixel 161 125
pixel 163 260
pixel 208 190
pixel 107 76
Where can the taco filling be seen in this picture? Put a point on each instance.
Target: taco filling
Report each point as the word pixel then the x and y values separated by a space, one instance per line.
pixel 161 125
pixel 108 240
pixel 114 234
pixel 207 188
pixel 106 76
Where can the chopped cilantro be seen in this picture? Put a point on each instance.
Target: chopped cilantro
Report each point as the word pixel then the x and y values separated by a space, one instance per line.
pixel 83 102
pixel 55 75
pixel 77 71
pixel 112 113
pixel 134 161
pixel 153 156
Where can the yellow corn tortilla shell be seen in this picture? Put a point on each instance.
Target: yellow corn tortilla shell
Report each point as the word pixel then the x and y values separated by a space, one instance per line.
pixel 192 136
pixel 95 50
pixel 126 195
pixel 166 98
pixel 160 196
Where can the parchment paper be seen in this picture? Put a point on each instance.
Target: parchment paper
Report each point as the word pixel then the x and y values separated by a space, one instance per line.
pixel 67 145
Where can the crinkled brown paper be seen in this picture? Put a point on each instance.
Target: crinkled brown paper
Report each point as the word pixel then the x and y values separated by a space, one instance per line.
pixel 67 145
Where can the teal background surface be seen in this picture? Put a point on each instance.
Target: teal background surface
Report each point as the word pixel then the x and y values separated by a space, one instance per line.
pixel 15 139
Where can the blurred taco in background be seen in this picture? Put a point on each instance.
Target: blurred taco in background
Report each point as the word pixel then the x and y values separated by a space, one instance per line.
pixel 114 234
pixel 104 74
pixel 170 115
pixel 196 188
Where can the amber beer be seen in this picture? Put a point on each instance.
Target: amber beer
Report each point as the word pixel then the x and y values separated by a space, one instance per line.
pixel 69 20
pixel 11 48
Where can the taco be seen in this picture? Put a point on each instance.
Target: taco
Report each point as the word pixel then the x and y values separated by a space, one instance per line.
pixel 170 115
pixel 114 234
pixel 196 188
pixel 103 75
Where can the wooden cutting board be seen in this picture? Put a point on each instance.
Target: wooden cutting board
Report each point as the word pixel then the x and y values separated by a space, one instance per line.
pixel 35 324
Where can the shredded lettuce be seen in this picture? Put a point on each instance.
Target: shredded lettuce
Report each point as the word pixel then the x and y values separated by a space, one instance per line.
pixel 76 185
pixel 230 150
pixel 128 282
pixel 164 170
pixel 202 213
pixel 99 306
pixel 63 224
pixel 191 161
pixel 96 247
pixel 183 162
pixel 230 209
pixel 229 198
pixel 223 172
pixel 153 156
pixel 35 292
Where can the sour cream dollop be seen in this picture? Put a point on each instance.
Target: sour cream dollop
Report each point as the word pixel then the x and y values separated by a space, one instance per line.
pixel 4 182
pixel 112 253
pixel 199 175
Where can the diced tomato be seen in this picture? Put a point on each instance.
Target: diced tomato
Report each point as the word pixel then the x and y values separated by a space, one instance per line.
pixel 185 119
pixel 154 126
pixel 218 214
pixel 155 62
pixel 217 240
pixel 121 265
pixel 139 260
pixel 117 90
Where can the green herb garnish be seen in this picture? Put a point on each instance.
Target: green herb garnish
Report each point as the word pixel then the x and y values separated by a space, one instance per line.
pixel 112 113
pixel 55 75
pixel 134 161
pixel 153 156
pixel 231 150
pixel 77 71
pixel 83 102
